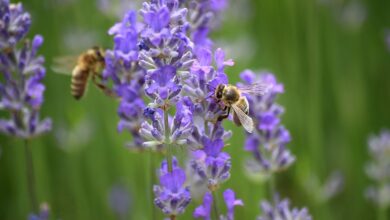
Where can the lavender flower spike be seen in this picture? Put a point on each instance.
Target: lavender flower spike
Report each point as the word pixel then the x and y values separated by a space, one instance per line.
pixel 268 143
pixel 172 197
pixel 379 169
pixel 282 211
pixel 21 90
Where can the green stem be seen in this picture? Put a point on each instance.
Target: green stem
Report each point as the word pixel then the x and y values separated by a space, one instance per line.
pixel 30 176
pixel 382 213
pixel 150 180
pixel 215 206
pixel 271 187
pixel 167 141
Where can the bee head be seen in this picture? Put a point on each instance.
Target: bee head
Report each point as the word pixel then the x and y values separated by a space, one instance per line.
pixel 99 53
pixel 219 91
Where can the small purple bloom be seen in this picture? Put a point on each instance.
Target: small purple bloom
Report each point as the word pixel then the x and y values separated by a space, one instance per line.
pixel 387 39
pixel 231 201
pixel 163 84
pixel 172 197
pixel 281 211
pixel 211 163
pixel 43 214
pixel 119 200
pixel 378 169
pixel 204 210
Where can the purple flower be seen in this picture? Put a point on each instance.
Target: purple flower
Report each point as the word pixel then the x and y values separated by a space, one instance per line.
pixel 378 169
pixel 43 214
pixel 387 39
pixel 211 163
pixel 163 84
pixel 21 89
pixel 203 17
pixel 282 211
pixel 172 197
pixel 119 200
pixel 268 143
pixel 14 24
pixel 231 201
pixel 179 127
pixel 127 76
pixel 204 210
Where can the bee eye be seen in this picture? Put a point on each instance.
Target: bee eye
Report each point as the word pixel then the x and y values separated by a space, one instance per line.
pixel 219 94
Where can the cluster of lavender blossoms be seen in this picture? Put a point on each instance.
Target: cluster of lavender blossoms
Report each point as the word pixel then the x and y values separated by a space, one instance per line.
pixel 169 59
pixel 268 143
pixel 379 169
pixel 21 89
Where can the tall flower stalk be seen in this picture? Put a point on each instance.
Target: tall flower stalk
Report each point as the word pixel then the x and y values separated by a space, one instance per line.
pixel 268 145
pixel 21 89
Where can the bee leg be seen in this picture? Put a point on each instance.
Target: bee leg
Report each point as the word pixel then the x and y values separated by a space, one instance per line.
pixel 224 116
pixel 103 87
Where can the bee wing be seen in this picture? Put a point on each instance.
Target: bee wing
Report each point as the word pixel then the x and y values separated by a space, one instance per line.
pixel 256 89
pixel 64 64
pixel 245 120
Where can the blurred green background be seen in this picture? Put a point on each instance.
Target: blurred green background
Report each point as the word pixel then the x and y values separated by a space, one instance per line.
pixel 330 54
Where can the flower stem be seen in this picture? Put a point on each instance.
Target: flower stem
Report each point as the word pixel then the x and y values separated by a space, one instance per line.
pixel 150 180
pixel 167 141
pixel 271 187
pixel 30 176
pixel 215 205
pixel 173 217
pixel 382 213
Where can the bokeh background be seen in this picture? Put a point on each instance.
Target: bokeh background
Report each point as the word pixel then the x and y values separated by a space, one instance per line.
pixel 331 56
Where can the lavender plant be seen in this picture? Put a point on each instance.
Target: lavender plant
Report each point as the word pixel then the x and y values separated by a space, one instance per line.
pixel 21 89
pixel 169 59
pixel 379 171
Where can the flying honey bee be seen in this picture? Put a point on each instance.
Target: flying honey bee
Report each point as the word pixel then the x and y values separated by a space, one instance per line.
pixel 88 64
pixel 232 98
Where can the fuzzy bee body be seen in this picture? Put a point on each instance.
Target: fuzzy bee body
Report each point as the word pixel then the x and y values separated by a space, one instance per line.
pixel 89 65
pixel 243 104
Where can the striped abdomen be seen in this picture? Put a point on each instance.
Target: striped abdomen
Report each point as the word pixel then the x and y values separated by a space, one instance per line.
pixel 79 81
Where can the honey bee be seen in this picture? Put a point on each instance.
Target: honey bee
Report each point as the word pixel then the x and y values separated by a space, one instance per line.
pixel 88 64
pixel 232 98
